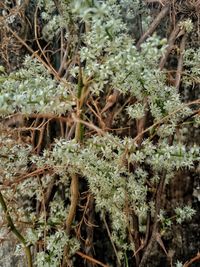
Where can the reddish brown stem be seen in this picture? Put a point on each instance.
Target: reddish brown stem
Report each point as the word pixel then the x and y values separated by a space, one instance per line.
pixel 196 258
pixel 91 259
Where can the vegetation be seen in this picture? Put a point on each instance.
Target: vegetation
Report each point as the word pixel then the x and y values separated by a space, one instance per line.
pixel 95 127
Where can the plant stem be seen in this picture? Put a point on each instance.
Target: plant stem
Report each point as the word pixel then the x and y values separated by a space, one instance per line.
pixel 153 25
pixel 74 189
pixel 14 230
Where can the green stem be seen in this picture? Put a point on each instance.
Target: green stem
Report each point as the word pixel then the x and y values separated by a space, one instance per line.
pixel 14 230
pixel 74 188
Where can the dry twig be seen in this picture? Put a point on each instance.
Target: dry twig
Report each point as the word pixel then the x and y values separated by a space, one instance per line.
pixel 180 62
pixel 196 258
pixel 91 259
pixel 171 42
pixel 153 25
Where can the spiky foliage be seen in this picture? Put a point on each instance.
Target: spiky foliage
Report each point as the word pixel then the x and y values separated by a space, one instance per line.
pixel 97 119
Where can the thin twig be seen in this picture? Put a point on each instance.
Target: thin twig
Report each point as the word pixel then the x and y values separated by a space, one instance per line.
pixel 88 124
pixel 98 115
pixel 153 25
pixel 26 176
pixel 91 259
pixel 140 123
pixel 35 54
pixel 89 222
pixel 74 201
pixel 111 100
pixel 144 244
pixel 64 59
pixel 14 230
pixel 109 234
pixel 180 62
pixel 153 237
pixel 36 38
pixel 48 116
pixel 74 188
pixel 41 137
pixel 196 258
pixel 171 42
pixel 197 101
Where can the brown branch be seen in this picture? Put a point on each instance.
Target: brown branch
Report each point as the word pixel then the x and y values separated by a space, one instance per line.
pixel 145 242
pixel 64 59
pixel 89 222
pixel 48 116
pixel 41 137
pixel 25 129
pixel 71 131
pixel 155 236
pixel 155 229
pixel 197 101
pixel 110 237
pixel 111 100
pixel 196 258
pixel 62 132
pixel 98 115
pixel 74 188
pixel 74 201
pixel 135 234
pixel 83 219
pixel 171 42
pixel 36 38
pixel 35 54
pixel 33 133
pixel 26 176
pixel 88 124
pixel 140 123
pixel 91 259
pixel 194 114
pixel 160 242
pixel 180 62
pixel 153 25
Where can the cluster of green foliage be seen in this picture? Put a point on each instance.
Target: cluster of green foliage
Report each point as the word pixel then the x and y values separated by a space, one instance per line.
pixel 122 171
